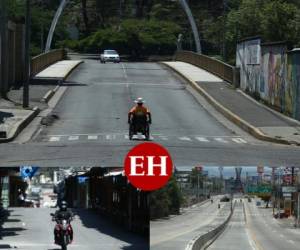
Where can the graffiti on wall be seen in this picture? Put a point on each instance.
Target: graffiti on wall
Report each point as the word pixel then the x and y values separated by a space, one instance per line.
pixel 275 76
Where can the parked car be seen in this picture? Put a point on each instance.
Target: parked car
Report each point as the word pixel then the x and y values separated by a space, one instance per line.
pixel 110 56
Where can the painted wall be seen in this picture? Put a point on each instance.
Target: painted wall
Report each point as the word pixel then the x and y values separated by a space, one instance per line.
pixel 272 73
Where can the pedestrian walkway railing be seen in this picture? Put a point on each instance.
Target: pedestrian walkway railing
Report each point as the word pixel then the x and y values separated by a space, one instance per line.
pixel 42 61
pixel 225 71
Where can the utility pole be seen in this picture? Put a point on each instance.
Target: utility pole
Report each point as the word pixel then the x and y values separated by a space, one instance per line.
pixel 3 48
pixel 198 184
pixel 27 57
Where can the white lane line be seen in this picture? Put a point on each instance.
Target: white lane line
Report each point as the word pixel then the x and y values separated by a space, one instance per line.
pixel 73 138
pixel 291 241
pixel 281 235
pixel 239 140
pixel 93 137
pixel 184 138
pixel 110 137
pixel 201 139
pixel 162 137
pixel 124 70
pixel 218 139
pixel 126 137
pixel 54 138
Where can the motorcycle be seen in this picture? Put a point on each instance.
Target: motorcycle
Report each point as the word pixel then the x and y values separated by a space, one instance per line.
pixel 139 125
pixel 63 227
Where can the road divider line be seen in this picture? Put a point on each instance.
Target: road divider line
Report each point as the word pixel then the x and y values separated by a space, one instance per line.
pixel 248 228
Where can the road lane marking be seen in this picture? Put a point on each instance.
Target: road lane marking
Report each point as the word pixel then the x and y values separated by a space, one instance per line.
pixel 239 140
pixel 54 138
pixel 184 138
pixel 291 241
pixel 73 138
pixel 93 137
pixel 202 139
pixel 163 137
pixel 124 70
pixel 219 139
pixel 110 137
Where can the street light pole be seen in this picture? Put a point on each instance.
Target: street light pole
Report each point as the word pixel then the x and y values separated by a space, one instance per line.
pixel 193 24
pixel 27 56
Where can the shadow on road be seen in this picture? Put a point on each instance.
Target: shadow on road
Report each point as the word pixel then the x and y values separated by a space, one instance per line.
pixel 9 231
pixel 91 219
pixel 5 246
pixel 5 115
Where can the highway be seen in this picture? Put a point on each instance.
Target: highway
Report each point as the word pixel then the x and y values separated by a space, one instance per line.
pixel 91 126
pixel 32 229
pixel 236 235
pixel 176 232
pixel 267 232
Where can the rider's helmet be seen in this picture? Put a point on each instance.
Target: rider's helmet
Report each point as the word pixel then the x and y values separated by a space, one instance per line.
pixel 139 101
pixel 63 206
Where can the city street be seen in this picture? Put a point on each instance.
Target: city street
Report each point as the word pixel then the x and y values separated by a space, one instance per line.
pixel 90 125
pixel 32 228
pixel 267 233
pixel 177 231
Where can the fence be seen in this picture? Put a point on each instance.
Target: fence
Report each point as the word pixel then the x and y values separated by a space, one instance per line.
pixel 12 56
pixel 41 61
pixel 214 66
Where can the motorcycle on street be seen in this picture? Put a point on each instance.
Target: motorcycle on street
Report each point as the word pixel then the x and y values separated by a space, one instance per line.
pixel 63 230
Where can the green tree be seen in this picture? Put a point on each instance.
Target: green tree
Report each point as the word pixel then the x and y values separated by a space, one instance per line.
pixel 166 200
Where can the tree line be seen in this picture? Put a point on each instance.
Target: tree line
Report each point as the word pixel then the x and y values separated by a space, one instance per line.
pixel 152 26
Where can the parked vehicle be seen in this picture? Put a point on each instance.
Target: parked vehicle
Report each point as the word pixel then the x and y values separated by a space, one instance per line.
pixel 110 56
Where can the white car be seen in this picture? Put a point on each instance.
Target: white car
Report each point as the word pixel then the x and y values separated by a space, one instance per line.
pixel 109 56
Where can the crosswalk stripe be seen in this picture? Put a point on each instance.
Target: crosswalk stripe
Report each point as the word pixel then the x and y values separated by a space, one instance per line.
pixel 184 138
pixel 73 138
pixel 239 140
pixel 93 137
pixel 110 137
pixel 218 139
pixel 163 137
pixel 54 138
pixel 201 139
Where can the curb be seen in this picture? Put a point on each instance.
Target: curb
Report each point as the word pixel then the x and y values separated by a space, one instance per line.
pixel 55 80
pixel 46 98
pixel 230 115
pixel 21 125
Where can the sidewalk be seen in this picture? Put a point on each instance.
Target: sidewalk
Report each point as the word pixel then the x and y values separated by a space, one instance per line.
pixel 13 118
pixel 252 116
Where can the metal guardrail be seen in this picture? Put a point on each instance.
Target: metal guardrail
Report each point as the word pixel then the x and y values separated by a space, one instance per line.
pixel 42 61
pixel 212 65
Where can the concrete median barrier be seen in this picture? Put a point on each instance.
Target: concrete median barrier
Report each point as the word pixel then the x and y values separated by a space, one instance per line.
pixel 203 241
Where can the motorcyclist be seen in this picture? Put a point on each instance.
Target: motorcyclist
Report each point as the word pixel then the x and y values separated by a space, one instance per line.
pixel 63 214
pixel 139 110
